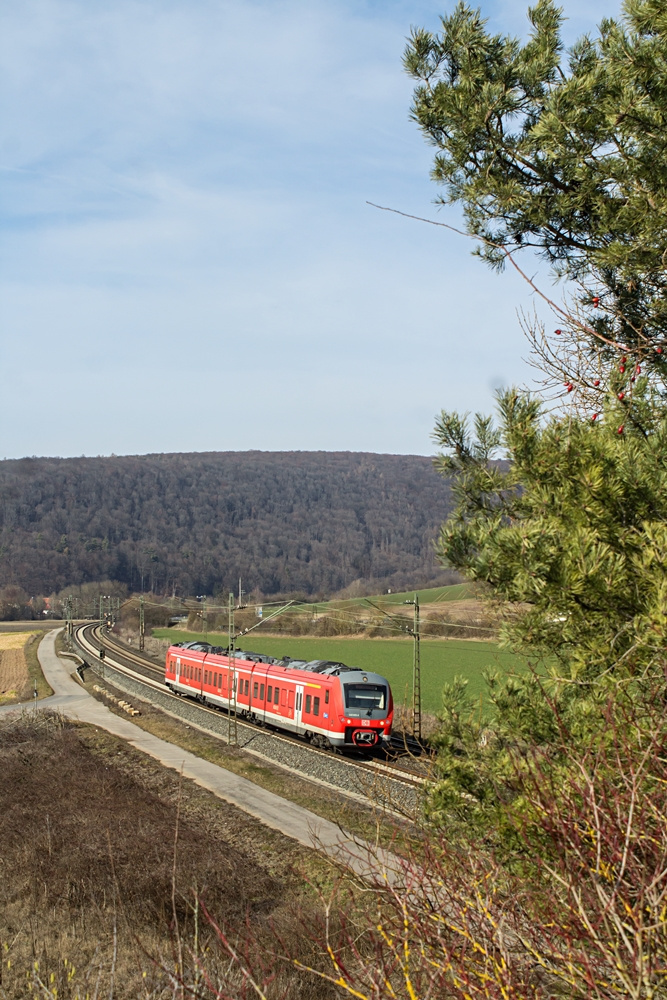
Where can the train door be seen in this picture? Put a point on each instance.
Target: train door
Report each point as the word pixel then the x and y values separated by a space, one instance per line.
pixel 178 670
pixel 298 706
pixel 326 708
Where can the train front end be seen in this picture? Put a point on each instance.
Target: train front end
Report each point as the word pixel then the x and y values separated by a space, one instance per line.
pixel 365 710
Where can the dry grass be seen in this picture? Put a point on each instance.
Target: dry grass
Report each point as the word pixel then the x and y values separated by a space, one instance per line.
pixel 14 640
pixel 362 818
pixel 36 679
pixel 155 648
pixel 403 721
pixel 104 856
pixel 14 673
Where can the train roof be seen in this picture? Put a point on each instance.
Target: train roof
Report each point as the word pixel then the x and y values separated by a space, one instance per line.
pixel 330 667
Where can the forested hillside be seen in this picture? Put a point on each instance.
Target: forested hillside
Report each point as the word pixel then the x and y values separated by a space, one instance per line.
pixel 310 522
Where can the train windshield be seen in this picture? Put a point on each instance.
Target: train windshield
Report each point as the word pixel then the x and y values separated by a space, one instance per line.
pixel 365 696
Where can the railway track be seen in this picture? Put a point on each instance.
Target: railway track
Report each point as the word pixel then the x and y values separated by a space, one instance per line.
pixel 92 637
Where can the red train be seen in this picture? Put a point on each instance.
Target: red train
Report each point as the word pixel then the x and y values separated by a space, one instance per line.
pixel 329 703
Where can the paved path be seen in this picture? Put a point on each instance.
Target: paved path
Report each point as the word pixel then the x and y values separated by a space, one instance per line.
pixel 280 814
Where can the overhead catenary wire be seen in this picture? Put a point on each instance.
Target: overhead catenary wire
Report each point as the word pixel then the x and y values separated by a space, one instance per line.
pixel 340 616
pixel 317 606
pixel 365 623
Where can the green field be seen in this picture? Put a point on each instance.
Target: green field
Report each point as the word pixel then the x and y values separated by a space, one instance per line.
pixel 442 659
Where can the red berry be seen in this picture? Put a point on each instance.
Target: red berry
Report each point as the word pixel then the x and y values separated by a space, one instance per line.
pixel 594 417
pixel 597 381
pixel 623 359
pixel 638 369
pixel 621 395
pixel 633 379
pixel 596 301
pixel 570 387
pixel 621 369
pixel 658 350
pixel 558 332
pixel 620 429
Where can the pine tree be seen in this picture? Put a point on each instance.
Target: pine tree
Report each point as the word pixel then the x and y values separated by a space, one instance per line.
pixel 570 528
pixel 565 153
pixel 562 517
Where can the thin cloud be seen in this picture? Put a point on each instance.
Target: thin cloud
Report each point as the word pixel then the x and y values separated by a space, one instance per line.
pixel 187 245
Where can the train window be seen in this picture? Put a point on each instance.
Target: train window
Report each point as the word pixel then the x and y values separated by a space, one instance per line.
pixel 367 696
pixel 326 697
pixel 316 705
pixel 247 685
pixel 283 698
pixel 261 692
pixel 308 700
pixel 269 694
pixel 254 690
pixel 276 696
pixel 290 700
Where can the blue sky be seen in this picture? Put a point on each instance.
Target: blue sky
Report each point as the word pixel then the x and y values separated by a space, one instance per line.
pixel 188 259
